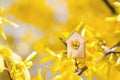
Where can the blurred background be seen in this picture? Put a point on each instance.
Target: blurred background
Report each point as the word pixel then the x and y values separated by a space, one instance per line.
pixel 41 22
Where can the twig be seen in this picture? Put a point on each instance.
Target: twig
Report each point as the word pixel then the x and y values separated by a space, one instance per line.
pixel 110 6
pixel 80 71
pixel 117 44
pixel 8 71
pixel 112 53
pixel 61 39
pixel 107 55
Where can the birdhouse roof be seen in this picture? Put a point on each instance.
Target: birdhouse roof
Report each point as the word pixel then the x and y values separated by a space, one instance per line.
pixel 75 36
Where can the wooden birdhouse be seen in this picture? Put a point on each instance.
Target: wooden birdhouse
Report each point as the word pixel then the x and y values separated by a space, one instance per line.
pixel 76 46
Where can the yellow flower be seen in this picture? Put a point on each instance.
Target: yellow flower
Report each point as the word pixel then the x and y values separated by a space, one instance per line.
pixel 17 68
pixel 20 71
pixel 4 21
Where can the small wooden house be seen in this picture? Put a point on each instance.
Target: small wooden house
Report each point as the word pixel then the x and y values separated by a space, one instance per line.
pixel 76 46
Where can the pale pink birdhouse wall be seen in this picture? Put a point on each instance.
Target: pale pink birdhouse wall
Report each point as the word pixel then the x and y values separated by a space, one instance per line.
pixel 76 53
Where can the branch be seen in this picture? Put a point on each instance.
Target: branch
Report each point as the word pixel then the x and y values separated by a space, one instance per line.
pixel 80 71
pixel 110 6
pixel 8 71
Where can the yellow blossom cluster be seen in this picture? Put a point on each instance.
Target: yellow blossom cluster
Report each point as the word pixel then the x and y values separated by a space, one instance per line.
pixel 89 51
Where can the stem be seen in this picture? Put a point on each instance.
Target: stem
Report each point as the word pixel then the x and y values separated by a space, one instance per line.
pixel 9 75
pixel 8 70
pixel 110 6
pixel 80 71
pixel 61 39
pixel 83 69
pixel 112 53
pixel 116 45
pixel 115 53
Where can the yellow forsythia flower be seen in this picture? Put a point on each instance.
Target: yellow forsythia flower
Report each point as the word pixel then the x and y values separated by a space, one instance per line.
pixel 4 21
